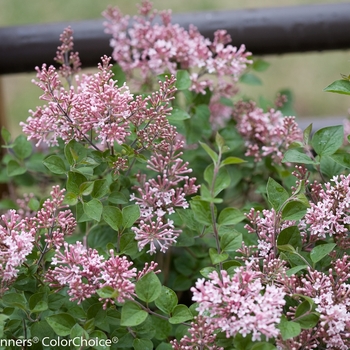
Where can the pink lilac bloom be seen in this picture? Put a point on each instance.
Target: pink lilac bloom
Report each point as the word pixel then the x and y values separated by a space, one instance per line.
pixel 201 336
pixel 117 274
pixel 331 294
pixel 267 229
pixel 21 232
pixel 69 61
pixel 240 304
pixel 57 222
pixel 16 242
pixel 330 215
pixel 157 48
pixel 158 197
pixel 95 111
pixel 265 133
pixel 84 271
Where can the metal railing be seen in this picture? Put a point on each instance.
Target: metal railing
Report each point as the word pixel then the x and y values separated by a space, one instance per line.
pixel 264 31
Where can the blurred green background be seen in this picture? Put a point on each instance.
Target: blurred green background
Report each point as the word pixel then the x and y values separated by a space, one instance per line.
pixel 305 74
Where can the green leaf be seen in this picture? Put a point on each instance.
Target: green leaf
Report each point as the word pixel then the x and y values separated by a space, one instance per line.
pixel 250 79
pixel 226 101
pixel 306 134
pixel 219 141
pixel 80 333
pixel 74 152
pixel 199 125
pixel 55 164
pixel 118 198
pixel 70 198
pixel 294 210
pixel 207 197
pixel 84 170
pixel 86 188
pixel 167 300
pixel 93 209
pixel 14 168
pixel 38 302
pixel 291 236
pixel 128 244
pixel 222 180
pixel 296 269
pixel 183 80
pixel 14 300
pixel 107 292
pixel 329 167
pixel 41 329
pixel 260 65
pixel 304 308
pixel 232 160
pixel 339 87
pixel 213 155
pixel 187 217
pixel 132 315
pixel 100 188
pixel 34 204
pixel 217 258
pixel 320 251
pixel 113 217
pixel 6 135
pixel 288 329
pixel 230 216
pixel 148 287
pixel 201 211
pixel 286 248
pixel 119 74
pixel 22 147
pixel 263 346
pixel 326 141
pixel 130 214
pixel 295 156
pixel 178 114
pixel 74 181
pixel 206 271
pixel 308 321
pixel 342 158
pixel 231 241
pixel 276 194
pixel 62 323
pixel 100 236
pixel 181 313
pixel 142 344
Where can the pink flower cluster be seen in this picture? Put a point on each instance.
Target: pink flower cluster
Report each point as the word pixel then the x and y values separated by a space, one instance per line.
pixel 240 304
pixel 19 234
pixel 57 222
pixel 84 271
pixel 97 111
pixel 265 133
pixel 330 215
pixel 69 61
pixel 157 48
pixel 16 242
pixel 267 229
pixel 201 336
pixel 331 294
pixel 159 197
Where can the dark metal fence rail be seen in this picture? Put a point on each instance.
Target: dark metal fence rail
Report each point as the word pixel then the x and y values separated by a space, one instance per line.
pixel 264 31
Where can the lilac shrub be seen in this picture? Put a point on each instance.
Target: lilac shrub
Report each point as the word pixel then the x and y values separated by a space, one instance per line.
pixel 171 213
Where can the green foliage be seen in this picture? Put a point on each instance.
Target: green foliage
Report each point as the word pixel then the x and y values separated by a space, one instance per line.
pixel 339 87
pixel 213 231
